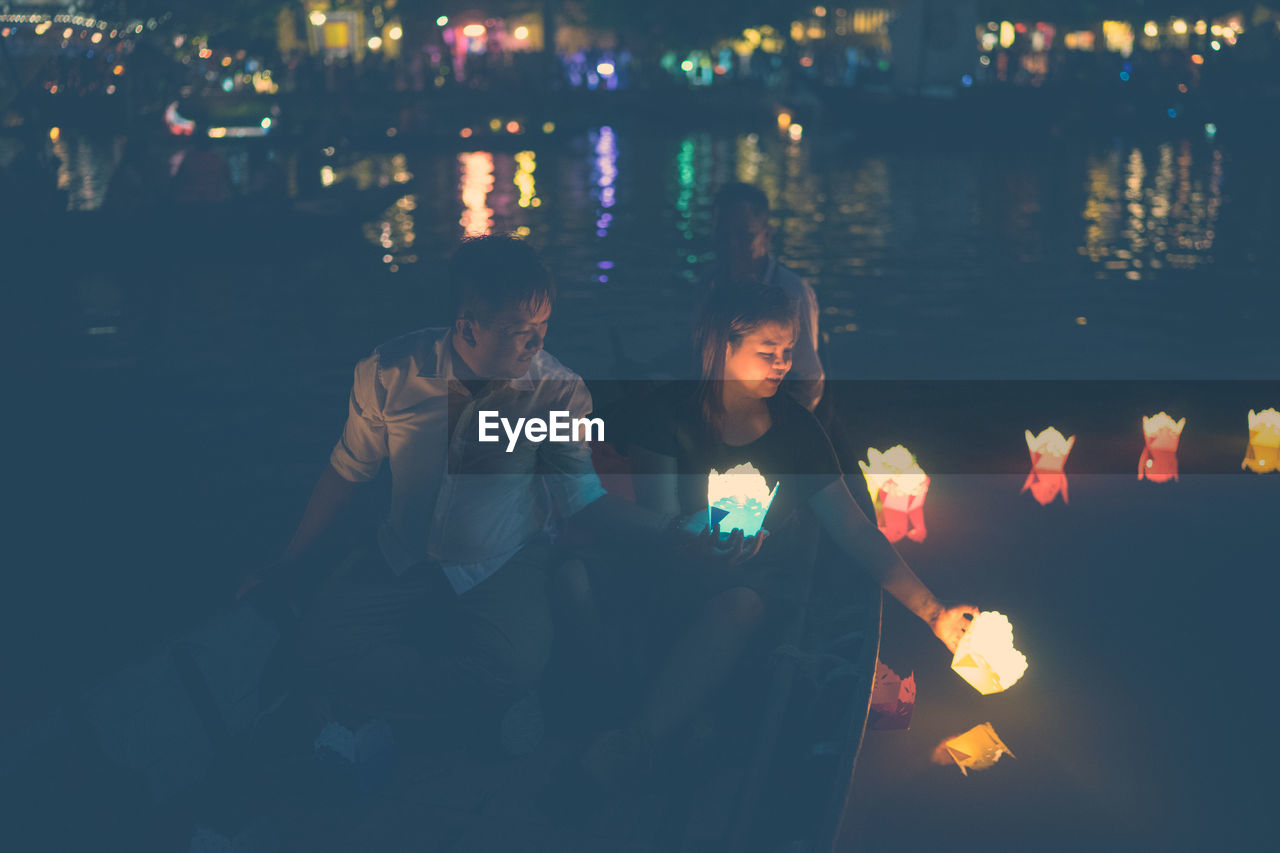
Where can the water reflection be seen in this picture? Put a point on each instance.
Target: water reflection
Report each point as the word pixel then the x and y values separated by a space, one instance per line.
pixel 365 173
pixel 474 187
pixel 82 170
pixel 526 184
pixel 605 173
pixel 394 233
pixel 943 248
pixel 1141 218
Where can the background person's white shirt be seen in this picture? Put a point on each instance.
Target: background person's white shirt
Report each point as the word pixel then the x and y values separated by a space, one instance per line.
pixel 806 367
pixel 470 506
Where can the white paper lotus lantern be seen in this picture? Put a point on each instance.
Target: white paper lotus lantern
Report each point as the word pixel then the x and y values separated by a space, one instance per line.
pixel 985 656
pixel 1159 460
pixel 1049 451
pixel 1263 454
pixel 976 749
pixel 739 499
pixel 898 486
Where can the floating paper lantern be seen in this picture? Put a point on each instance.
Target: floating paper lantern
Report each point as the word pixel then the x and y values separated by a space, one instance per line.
pixel 1263 454
pixel 738 499
pixel 893 699
pixel 898 487
pixel 1049 452
pixel 1159 460
pixel 985 656
pixel 976 749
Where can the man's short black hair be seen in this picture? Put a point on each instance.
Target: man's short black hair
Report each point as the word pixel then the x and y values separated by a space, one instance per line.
pixel 496 271
pixel 734 194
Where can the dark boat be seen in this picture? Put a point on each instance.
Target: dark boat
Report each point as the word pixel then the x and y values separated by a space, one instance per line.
pixel 778 778
pixel 196 756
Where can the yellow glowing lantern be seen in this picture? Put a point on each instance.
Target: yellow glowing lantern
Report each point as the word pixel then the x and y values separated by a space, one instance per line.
pixel 898 487
pixel 1159 460
pixel 976 749
pixel 1263 454
pixel 1049 451
pixel 738 499
pixel 985 656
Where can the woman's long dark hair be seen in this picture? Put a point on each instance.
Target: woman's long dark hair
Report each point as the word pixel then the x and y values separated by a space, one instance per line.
pixel 729 315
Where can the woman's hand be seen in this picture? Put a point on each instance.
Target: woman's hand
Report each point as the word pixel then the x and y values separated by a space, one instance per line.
pixel 733 551
pixel 705 542
pixel 949 624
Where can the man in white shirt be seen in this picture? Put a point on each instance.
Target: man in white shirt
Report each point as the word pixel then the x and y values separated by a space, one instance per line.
pixel 743 237
pixel 451 603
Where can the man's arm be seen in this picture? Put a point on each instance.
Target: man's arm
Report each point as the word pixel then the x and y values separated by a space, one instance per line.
pixel 355 459
pixel 330 497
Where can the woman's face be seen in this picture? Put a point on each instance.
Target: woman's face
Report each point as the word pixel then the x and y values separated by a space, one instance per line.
pixel 760 360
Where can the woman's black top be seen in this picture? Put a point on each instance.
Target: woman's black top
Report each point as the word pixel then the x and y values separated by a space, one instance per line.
pixel 793 453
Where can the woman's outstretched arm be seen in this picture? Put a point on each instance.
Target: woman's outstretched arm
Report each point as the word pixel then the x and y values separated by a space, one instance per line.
pixel 859 539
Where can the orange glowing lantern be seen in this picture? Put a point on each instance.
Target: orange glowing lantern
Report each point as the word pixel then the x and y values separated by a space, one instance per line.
pixel 1159 460
pixel 1049 452
pixel 898 487
pixel 976 749
pixel 893 699
pixel 1263 454
pixel 738 499
pixel 985 656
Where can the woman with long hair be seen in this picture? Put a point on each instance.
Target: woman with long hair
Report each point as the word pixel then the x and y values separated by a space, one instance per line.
pixel 734 415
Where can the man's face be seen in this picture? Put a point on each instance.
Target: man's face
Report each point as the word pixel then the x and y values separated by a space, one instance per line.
pixel 504 347
pixel 742 237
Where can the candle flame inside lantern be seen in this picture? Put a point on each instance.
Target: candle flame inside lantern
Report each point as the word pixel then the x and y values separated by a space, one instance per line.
pixel 1264 442
pixel 898 486
pixel 743 496
pixel 1159 459
pixel 985 656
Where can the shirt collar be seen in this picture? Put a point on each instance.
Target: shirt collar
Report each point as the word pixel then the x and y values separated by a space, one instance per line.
pixel 770 268
pixel 443 366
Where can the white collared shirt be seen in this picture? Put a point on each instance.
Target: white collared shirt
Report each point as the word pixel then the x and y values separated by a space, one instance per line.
pixel 468 505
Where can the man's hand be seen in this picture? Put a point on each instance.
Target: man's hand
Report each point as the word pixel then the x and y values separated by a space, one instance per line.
pixel 951 623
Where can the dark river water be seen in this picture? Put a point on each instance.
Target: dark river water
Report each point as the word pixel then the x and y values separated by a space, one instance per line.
pixel 182 400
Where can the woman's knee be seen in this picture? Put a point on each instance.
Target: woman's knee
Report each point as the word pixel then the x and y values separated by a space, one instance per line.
pixel 740 607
